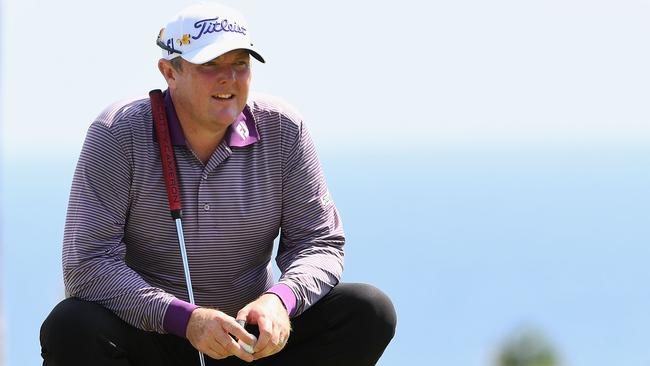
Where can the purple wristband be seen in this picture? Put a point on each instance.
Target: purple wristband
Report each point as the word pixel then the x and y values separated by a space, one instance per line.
pixel 285 294
pixel 177 316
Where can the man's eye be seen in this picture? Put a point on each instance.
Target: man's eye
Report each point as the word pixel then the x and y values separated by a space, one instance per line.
pixel 240 65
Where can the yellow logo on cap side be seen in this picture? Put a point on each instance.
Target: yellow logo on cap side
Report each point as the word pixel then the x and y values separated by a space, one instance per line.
pixel 185 40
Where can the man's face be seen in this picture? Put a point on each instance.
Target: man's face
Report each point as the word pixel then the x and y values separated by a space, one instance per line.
pixel 213 94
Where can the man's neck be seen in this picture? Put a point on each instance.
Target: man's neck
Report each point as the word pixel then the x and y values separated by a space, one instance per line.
pixel 202 142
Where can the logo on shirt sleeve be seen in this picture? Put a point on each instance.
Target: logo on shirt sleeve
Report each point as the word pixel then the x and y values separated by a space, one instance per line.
pixel 326 199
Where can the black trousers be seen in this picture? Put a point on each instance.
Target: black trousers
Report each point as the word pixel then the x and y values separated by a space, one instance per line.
pixel 352 325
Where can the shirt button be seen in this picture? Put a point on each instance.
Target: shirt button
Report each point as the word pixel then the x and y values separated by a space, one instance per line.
pixel 205 176
pixel 206 207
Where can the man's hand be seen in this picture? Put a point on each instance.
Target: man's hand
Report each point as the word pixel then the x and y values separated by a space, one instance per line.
pixel 209 332
pixel 272 319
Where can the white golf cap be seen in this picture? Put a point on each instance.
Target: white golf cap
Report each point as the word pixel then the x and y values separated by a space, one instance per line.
pixel 204 31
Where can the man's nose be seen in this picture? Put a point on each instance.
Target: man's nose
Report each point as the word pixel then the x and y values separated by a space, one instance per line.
pixel 226 73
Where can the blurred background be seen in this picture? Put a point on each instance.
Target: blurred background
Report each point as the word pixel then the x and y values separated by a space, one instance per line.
pixel 491 160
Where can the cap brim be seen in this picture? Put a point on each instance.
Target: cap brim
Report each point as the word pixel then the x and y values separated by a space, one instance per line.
pixel 217 49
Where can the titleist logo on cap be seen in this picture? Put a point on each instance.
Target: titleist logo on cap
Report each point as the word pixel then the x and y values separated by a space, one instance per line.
pixel 207 26
pixel 213 25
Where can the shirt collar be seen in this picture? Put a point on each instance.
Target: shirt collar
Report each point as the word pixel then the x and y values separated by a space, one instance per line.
pixel 242 132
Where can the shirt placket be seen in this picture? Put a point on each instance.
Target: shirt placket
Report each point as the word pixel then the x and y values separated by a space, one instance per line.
pixel 206 193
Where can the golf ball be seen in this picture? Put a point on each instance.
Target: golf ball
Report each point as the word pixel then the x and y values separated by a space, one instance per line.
pixel 247 347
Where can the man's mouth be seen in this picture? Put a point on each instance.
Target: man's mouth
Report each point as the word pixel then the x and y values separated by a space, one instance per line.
pixel 223 96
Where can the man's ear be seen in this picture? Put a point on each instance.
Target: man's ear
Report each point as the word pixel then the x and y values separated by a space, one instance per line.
pixel 167 71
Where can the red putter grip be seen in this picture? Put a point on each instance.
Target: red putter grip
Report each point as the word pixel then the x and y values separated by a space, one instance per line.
pixel 166 152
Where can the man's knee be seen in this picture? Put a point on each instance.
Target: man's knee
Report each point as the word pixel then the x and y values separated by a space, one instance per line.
pixel 76 327
pixel 372 309
pixel 72 317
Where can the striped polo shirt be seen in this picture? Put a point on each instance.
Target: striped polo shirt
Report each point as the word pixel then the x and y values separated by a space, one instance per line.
pixel 120 246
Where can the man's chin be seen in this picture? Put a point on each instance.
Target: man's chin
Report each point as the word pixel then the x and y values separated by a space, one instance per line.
pixel 225 119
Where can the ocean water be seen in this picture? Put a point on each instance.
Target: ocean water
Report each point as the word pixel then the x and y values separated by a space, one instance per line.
pixel 470 244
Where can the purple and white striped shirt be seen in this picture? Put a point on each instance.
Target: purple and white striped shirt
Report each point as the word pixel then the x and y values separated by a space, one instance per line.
pixel 120 247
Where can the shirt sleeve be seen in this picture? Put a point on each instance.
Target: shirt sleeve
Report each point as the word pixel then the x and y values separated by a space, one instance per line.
pixel 94 266
pixel 310 254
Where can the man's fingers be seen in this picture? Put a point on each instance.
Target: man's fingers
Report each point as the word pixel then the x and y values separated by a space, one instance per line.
pixel 237 330
pixel 271 349
pixel 276 343
pixel 275 337
pixel 223 345
pixel 235 349
pixel 243 314
pixel 215 350
pixel 271 318
pixel 266 328
pixel 213 334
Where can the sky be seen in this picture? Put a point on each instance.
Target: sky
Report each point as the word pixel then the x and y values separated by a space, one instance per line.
pixel 429 73
pixel 496 111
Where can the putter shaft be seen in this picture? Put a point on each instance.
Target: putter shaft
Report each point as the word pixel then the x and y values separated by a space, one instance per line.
pixel 186 270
